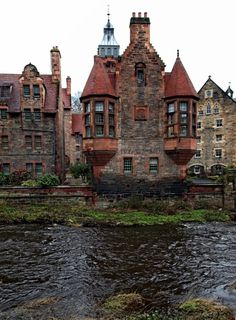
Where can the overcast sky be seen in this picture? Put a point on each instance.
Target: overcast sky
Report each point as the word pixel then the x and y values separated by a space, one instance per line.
pixel 203 31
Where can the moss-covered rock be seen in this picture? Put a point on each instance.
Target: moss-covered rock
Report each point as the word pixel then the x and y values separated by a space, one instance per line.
pixel 203 309
pixel 125 303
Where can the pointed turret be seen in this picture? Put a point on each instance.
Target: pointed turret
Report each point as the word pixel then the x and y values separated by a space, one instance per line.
pixel 109 46
pixel 181 101
pixel 179 83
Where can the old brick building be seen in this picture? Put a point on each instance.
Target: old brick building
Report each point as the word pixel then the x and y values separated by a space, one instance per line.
pixel 33 118
pixel 216 123
pixel 139 122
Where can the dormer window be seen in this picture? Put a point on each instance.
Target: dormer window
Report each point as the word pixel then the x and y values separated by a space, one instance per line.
pixel 140 73
pixel 36 91
pixel 26 90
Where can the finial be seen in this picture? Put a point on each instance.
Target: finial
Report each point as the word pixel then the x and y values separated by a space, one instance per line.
pixel 178 53
pixel 108 12
pixel 229 84
pixel 209 77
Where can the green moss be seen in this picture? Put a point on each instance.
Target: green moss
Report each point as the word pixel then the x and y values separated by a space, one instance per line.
pixel 72 214
pixel 203 309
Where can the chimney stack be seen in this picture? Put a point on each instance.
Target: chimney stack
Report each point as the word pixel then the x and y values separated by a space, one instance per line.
pixel 139 27
pixel 68 86
pixel 56 64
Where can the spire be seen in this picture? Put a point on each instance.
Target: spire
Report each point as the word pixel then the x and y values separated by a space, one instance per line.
pixel 108 46
pixel 179 83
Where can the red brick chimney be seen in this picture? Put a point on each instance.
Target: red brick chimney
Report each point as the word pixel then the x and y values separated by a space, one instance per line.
pixel 68 86
pixel 139 27
pixel 56 64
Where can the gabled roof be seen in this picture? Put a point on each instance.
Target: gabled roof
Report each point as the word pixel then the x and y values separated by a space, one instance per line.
pixel 99 82
pixel 178 82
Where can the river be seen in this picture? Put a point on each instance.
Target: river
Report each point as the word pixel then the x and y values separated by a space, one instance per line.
pixel 80 267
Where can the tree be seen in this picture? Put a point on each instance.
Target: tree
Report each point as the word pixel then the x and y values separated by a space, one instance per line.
pixel 76 104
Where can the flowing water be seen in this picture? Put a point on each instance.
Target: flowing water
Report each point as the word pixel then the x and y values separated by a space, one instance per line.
pixel 80 267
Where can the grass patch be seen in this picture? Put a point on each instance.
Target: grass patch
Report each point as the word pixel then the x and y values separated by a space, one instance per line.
pixel 71 214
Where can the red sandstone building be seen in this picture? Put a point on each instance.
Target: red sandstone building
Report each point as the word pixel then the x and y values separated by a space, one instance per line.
pixel 34 114
pixel 139 121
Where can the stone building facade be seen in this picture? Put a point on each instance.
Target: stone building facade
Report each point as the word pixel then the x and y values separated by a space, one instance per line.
pixel 139 122
pixel 32 120
pixel 216 134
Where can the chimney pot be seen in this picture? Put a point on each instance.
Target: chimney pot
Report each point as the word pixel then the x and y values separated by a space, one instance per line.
pixel 133 14
pixel 139 14
pixel 145 14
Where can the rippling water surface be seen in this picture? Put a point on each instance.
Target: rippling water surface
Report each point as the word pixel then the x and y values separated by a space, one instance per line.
pixel 82 266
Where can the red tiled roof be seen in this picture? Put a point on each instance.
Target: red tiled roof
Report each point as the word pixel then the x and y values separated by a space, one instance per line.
pixel 77 123
pixel 99 82
pixel 66 99
pixel 178 82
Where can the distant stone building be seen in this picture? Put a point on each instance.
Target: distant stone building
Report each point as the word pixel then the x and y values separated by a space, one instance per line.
pixel 216 134
pixel 139 122
pixel 34 112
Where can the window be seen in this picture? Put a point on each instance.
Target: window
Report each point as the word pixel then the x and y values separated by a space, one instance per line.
pixel 3 114
pixel 183 106
pixel 216 109
pixel 27 113
pixel 99 131
pixel 208 93
pixel 219 123
pixel 87 132
pixel 5 143
pixel 38 169
pixel 87 119
pixel 128 165
pixel 5 91
pixel 183 131
pixel 28 142
pixel 208 110
pixel 6 168
pixel 99 119
pixel 26 91
pixel 200 113
pixel 111 131
pixel 196 169
pixel 170 119
pixel 29 167
pixel 153 165
pixel 36 91
pixel 199 124
pixel 111 120
pixel 37 142
pixel 198 154
pixel 170 131
pixel 37 115
pixel 183 118
pixel 218 153
pixel 99 106
pixel 87 107
pixel 171 107
pixel 219 138
pixel 140 73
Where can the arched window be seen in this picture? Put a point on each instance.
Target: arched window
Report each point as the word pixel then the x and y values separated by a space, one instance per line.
pixel 208 110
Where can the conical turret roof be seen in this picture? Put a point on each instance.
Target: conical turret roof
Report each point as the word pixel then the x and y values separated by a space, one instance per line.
pixel 98 82
pixel 178 82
